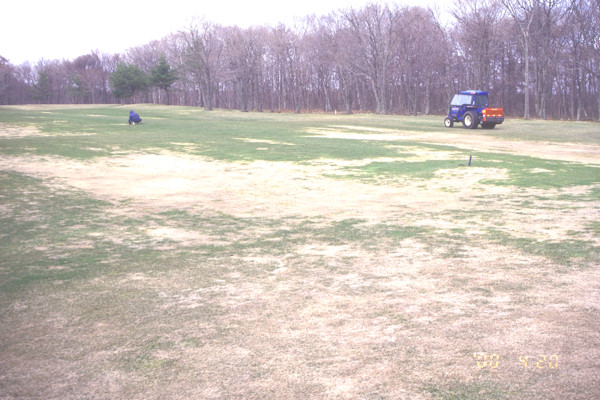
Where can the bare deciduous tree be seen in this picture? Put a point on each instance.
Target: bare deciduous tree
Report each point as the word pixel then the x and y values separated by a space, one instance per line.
pixel 377 58
pixel 421 55
pixel 374 37
pixel 203 57
pixel 523 13
pixel 478 38
pixel 244 52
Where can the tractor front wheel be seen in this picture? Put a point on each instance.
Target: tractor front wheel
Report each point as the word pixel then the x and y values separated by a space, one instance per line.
pixel 470 120
pixel 448 123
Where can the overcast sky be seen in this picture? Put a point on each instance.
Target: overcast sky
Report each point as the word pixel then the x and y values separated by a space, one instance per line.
pixel 65 29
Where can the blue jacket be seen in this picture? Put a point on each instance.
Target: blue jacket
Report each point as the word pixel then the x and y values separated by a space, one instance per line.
pixel 134 117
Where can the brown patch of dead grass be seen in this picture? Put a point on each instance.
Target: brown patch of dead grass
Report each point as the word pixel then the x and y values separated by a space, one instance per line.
pixel 12 131
pixel 167 180
pixel 339 321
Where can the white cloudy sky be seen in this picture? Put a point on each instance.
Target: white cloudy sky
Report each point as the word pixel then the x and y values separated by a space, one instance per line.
pixel 64 29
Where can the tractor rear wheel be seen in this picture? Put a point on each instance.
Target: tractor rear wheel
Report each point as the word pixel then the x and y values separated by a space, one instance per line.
pixel 448 123
pixel 470 120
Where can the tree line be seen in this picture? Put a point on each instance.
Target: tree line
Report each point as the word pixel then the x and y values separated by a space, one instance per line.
pixel 538 58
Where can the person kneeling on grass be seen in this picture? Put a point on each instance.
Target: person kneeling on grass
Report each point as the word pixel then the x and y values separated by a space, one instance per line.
pixel 134 118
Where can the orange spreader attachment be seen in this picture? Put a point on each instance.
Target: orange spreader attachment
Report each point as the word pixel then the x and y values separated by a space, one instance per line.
pixel 492 113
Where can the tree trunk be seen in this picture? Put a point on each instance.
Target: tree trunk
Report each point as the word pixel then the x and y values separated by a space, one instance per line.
pixel 526 89
pixel 428 95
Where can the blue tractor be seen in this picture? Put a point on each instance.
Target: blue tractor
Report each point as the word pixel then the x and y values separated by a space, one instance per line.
pixel 471 107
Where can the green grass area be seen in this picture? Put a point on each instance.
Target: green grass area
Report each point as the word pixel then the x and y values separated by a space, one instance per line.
pixel 86 133
pixel 283 261
pixel 548 131
pixel 218 134
pixel 486 390
pixel 522 171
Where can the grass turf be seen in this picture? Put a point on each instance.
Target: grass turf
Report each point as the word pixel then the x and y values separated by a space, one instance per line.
pixel 112 296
